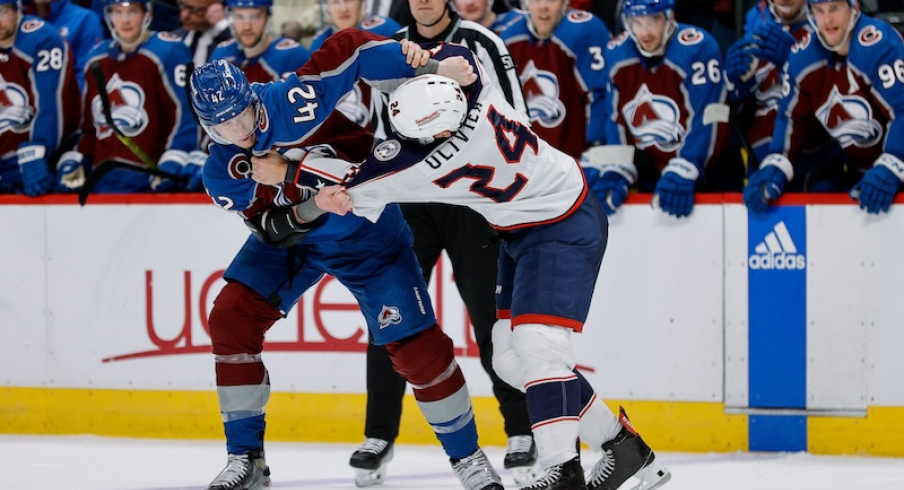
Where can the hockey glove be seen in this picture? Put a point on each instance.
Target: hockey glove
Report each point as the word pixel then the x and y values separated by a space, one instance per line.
pixel 767 183
pixel 741 60
pixel 614 171
pixel 36 177
pixel 612 189
pixel 774 42
pixel 70 172
pixel 172 161
pixel 877 189
pixel 193 171
pixel 674 193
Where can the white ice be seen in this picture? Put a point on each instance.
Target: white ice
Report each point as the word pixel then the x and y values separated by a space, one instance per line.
pixel 96 463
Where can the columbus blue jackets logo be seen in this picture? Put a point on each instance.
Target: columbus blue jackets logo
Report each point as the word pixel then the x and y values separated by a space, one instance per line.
pixel 15 111
pixel 654 120
pixel 390 315
pixel 387 150
pixel 541 90
pixel 849 120
pixel 127 106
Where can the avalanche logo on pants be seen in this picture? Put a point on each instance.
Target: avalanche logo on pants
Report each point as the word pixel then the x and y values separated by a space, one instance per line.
pixel 389 316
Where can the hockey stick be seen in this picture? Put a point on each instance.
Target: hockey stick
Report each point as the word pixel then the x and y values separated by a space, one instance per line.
pixel 108 166
pixel 98 72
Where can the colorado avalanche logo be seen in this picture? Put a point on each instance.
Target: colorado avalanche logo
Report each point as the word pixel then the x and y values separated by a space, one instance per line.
pixel 769 88
pixel 869 35
pixel 240 167
pixel 849 119
pixel 352 106
pixel 541 89
pixel 654 120
pixel 390 315
pixel 15 111
pixel 127 101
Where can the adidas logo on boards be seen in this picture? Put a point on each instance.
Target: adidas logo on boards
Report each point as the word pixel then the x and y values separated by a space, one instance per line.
pixel 777 251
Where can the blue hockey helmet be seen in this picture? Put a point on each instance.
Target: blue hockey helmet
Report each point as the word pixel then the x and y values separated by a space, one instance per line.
pixel 634 8
pixel 220 91
pixel 16 3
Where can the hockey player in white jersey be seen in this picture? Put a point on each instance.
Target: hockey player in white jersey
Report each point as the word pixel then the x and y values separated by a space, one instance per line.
pixel 470 147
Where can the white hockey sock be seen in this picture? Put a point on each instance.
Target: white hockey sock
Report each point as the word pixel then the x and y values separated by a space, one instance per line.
pixel 598 424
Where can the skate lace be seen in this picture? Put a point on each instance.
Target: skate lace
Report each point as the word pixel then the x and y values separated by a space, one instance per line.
pixel 553 475
pixel 603 469
pixel 475 471
pixel 372 445
pixel 519 444
pixel 237 468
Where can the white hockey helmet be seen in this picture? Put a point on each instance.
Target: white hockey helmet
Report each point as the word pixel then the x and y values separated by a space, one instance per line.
pixel 427 105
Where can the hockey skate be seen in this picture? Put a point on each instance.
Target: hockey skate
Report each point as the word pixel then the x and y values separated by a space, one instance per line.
pixel 521 459
pixel 476 473
pixel 626 456
pixel 566 476
pixel 370 460
pixel 247 471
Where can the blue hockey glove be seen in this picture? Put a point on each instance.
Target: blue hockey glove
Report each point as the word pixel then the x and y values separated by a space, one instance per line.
pixel 172 161
pixel 193 170
pixel 774 42
pixel 742 60
pixel 614 172
pixel 877 189
pixel 70 172
pixel 612 189
pixel 767 183
pixel 674 193
pixel 36 177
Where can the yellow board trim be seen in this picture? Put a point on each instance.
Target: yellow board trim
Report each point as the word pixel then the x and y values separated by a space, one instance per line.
pixel 307 417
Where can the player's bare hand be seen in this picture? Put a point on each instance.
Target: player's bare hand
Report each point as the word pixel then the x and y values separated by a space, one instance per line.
pixel 269 169
pixel 416 55
pixel 458 69
pixel 333 199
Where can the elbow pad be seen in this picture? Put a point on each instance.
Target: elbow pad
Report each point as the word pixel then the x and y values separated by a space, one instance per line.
pixel 277 227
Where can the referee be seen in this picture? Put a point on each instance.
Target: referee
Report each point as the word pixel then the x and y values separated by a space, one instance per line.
pixel 473 250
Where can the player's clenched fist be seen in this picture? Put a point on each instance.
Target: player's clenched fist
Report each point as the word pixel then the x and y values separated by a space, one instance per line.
pixel 333 199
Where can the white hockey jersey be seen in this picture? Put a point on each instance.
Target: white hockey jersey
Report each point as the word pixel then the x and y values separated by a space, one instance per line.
pixel 495 164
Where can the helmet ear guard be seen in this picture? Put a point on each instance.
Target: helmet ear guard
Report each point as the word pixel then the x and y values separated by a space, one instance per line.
pixel 427 105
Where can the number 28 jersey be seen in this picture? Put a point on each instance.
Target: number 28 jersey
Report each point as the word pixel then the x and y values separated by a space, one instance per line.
pixel 495 164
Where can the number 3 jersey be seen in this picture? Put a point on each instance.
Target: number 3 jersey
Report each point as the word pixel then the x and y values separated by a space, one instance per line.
pixel 494 164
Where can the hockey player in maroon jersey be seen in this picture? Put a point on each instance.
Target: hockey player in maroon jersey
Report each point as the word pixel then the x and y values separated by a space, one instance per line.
pixel 145 78
pixel 847 77
pixel 753 68
pixel 667 99
pixel 252 48
pixel 39 104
